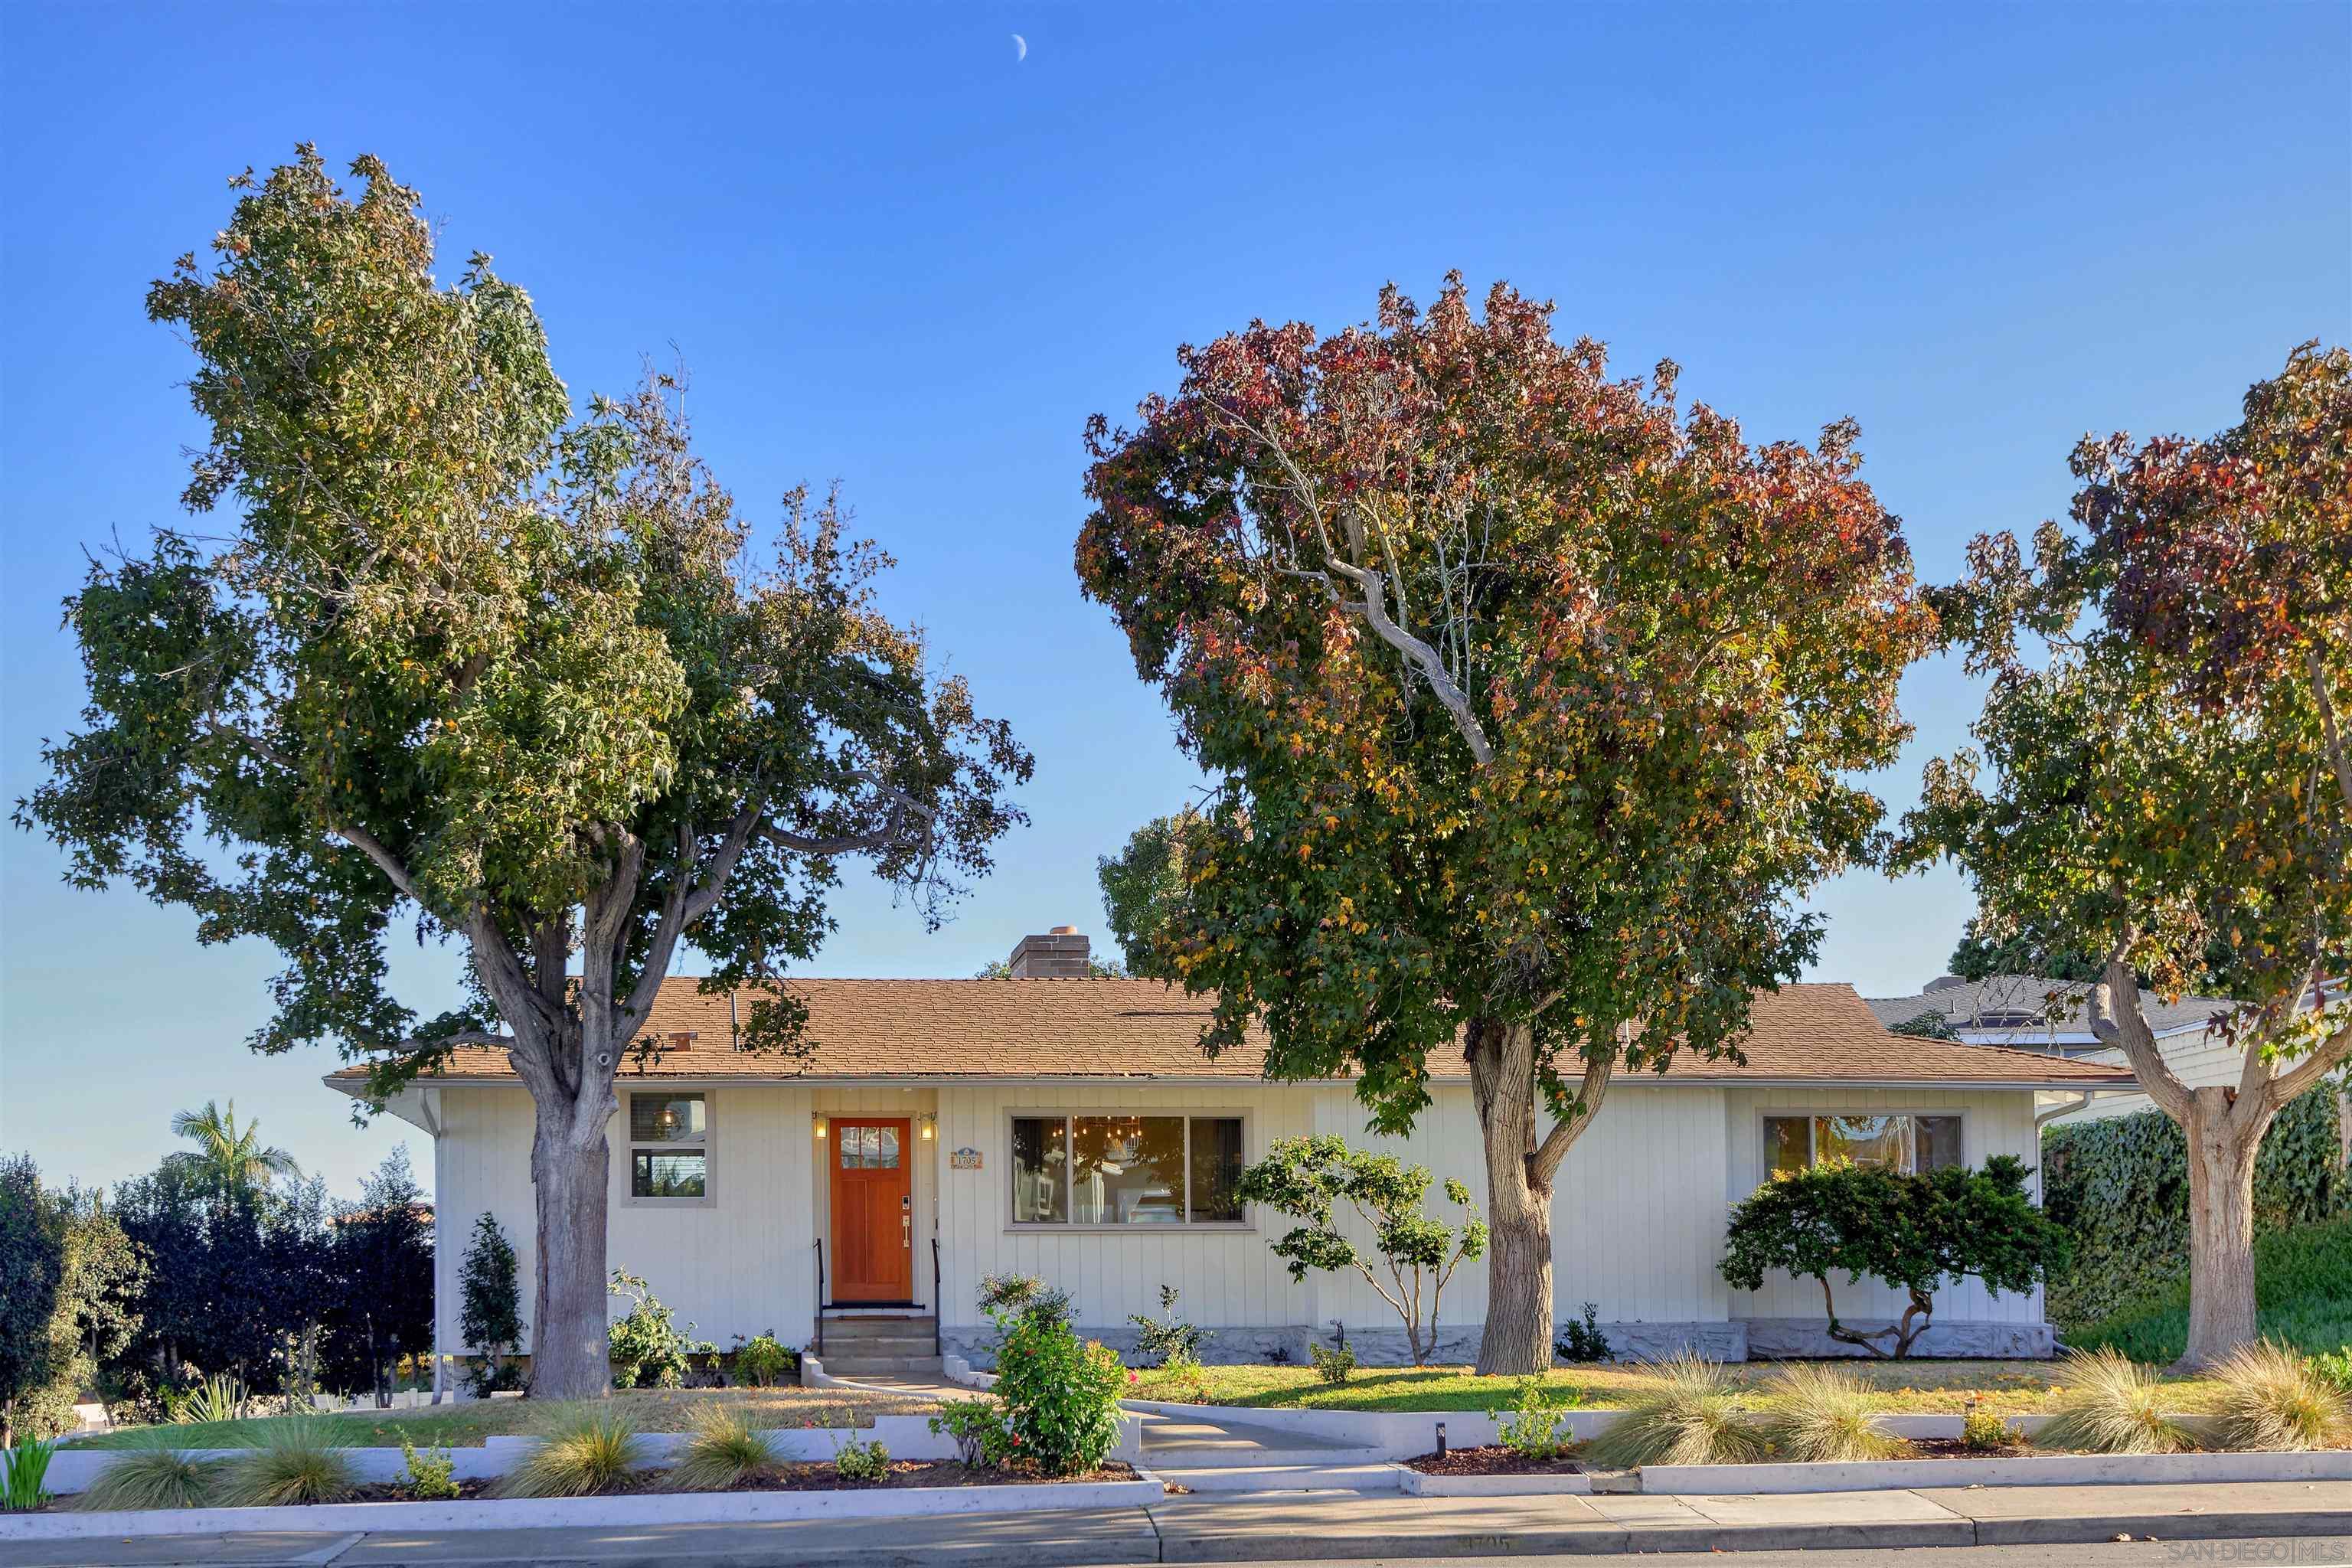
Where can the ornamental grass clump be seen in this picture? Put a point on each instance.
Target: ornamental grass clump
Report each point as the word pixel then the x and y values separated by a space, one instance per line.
pixel 296 1460
pixel 152 1474
pixel 584 1449
pixel 2272 1398
pixel 727 1448
pixel 1686 1412
pixel 2110 1404
pixel 1823 1414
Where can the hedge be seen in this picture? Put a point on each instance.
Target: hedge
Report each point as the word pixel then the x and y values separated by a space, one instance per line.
pixel 2120 1188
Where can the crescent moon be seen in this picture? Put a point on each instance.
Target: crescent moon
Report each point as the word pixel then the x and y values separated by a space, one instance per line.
pixel 1020 48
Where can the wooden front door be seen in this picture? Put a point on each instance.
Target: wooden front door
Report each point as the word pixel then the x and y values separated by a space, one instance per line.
pixel 872 1211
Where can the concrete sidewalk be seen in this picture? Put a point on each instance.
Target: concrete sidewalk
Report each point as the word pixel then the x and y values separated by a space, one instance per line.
pixel 1296 1526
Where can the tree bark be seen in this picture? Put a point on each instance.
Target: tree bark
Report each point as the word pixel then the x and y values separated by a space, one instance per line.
pixel 569 1170
pixel 2223 1147
pixel 1518 1341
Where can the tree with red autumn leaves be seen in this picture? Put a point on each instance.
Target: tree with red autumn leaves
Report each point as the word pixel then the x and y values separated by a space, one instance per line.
pixel 1531 703
pixel 2169 782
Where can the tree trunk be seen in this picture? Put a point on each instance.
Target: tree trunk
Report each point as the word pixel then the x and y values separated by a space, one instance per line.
pixel 1517 1340
pixel 570 1169
pixel 2222 1150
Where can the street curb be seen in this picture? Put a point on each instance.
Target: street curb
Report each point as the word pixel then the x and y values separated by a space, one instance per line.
pixel 634 1510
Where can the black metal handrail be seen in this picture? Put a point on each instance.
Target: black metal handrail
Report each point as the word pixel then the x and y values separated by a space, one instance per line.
pixel 820 1298
pixel 937 1344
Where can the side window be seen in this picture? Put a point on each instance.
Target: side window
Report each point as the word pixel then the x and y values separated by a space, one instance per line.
pixel 669 1145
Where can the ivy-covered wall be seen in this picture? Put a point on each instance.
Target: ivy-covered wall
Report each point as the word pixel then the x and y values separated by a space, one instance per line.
pixel 2120 1187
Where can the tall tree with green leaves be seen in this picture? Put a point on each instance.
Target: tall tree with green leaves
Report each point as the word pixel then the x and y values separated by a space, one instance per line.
pixel 2161 774
pixel 520 679
pixel 1532 704
pixel 1143 887
pixel 227 1158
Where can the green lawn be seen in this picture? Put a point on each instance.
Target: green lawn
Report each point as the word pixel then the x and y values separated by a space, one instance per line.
pixel 2302 1292
pixel 465 1426
pixel 1917 1387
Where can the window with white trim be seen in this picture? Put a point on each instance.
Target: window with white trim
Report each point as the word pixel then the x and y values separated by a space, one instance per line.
pixel 1126 1170
pixel 669 1145
pixel 1898 1142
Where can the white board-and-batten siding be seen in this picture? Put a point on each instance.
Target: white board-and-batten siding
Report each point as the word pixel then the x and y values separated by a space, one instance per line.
pixel 1638 1211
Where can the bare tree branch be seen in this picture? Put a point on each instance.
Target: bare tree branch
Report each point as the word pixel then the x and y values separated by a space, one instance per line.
pixel 1544 1163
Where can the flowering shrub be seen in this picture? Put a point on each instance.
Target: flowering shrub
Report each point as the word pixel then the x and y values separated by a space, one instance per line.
pixel 1059 1395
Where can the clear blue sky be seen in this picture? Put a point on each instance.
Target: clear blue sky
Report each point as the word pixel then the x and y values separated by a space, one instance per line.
pixel 894 255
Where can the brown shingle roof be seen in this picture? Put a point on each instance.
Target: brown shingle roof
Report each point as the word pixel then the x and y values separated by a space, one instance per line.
pixel 861 1029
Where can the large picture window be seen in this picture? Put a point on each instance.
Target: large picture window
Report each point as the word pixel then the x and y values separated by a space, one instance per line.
pixel 1899 1142
pixel 669 1145
pixel 1126 1170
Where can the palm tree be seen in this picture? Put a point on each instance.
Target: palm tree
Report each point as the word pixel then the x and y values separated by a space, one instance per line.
pixel 226 1160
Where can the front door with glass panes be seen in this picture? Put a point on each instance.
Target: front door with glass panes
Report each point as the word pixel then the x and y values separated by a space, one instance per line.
pixel 873 1212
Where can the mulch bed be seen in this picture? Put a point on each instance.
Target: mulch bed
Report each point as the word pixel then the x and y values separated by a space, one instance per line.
pixel 397 1491
pixel 1491 1459
pixel 1953 1448
pixel 822 1477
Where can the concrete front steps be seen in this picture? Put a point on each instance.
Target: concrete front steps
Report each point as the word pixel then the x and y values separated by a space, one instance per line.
pixel 881 1344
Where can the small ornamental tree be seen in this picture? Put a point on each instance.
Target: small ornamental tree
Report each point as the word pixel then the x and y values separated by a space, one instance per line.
pixel 471 663
pixel 489 1312
pixel 1911 1232
pixel 2163 774
pixel 1307 1178
pixel 1533 705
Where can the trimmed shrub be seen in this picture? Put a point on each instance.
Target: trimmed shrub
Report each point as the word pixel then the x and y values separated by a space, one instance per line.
pixel 862 1463
pixel 296 1460
pixel 2110 1404
pixel 152 1474
pixel 1333 1366
pixel 765 1362
pixel 1535 1423
pixel 2120 1188
pixel 2272 1398
pixel 726 1449
pixel 1823 1414
pixel 1986 1432
pixel 431 1473
pixel 1583 1342
pixel 1686 1412
pixel 584 1448
pixel 1912 1231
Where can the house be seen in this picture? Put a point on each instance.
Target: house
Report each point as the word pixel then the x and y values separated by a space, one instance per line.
pixel 941 1131
pixel 2035 1013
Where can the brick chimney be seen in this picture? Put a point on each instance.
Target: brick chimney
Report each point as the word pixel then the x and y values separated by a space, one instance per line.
pixel 1059 955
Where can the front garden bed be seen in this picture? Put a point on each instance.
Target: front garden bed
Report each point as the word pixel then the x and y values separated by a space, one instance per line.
pixel 1490 1459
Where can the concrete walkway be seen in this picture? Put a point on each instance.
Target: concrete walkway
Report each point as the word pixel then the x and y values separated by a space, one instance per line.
pixel 1317 1526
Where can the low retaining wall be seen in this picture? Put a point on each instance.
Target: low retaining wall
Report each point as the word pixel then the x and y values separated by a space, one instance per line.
pixel 2033 1470
pixel 1375 1344
pixel 73 1469
pixel 605 1513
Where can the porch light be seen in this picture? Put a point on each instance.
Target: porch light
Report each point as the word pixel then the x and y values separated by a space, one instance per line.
pixel 821 1126
pixel 931 1125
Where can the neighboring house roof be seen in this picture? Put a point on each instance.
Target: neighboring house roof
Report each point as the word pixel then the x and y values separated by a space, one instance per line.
pixel 1140 1029
pixel 2032 1007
